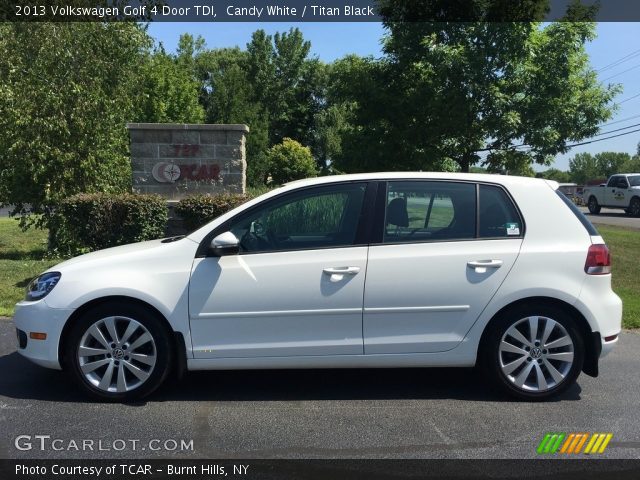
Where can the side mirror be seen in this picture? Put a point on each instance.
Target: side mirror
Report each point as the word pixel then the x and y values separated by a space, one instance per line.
pixel 225 244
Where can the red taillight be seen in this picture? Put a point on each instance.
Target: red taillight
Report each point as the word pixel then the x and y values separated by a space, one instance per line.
pixel 598 260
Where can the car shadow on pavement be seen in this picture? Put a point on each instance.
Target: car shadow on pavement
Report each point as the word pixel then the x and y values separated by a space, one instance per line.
pixel 21 379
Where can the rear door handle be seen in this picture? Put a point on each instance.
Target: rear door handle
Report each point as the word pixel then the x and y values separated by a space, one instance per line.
pixel 337 273
pixel 341 270
pixel 481 265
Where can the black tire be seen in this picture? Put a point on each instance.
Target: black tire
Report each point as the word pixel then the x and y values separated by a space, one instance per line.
pixel 160 347
pixel 634 207
pixel 593 205
pixel 492 359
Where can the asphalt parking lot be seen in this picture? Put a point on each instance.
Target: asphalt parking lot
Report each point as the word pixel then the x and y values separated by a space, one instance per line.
pixel 614 217
pixel 420 413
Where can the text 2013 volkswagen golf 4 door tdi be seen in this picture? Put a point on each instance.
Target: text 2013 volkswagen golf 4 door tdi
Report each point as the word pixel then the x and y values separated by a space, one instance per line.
pixel 375 270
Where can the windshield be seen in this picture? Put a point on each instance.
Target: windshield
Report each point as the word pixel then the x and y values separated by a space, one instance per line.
pixel 634 180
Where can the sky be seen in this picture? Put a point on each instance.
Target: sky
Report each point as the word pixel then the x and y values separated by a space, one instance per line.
pixel 616 43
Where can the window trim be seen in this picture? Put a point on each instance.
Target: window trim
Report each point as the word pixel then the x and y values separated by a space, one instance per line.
pixel 377 238
pixel 362 229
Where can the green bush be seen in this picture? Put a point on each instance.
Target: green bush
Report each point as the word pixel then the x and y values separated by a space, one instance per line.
pixel 289 160
pixel 87 222
pixel 197 210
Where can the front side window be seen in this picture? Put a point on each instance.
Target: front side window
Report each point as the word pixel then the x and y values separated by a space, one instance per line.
pixel 320 217
pixel 634 180
pixel 423 211
pixel 613 181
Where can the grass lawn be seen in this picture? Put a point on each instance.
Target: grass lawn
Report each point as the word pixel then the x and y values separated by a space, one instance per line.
pixel 624 245
pixel 22 257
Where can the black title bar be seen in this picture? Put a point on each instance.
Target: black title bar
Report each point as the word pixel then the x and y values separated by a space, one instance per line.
pixel 319 10
pixel 248 469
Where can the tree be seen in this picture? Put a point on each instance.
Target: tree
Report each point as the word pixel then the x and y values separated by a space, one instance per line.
pixel 632 165
pixel 289 161
pixel 170 90
pixel 583 167
pixel 609 163
pixel 519 91
pixel 286 83
pixel 273 86
pixel 67 91
pixel 330 125
pixel 228 96
pixel 555 174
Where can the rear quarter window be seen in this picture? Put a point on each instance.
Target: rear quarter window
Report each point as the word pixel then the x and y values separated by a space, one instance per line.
pixel 579 215
pixel 499 217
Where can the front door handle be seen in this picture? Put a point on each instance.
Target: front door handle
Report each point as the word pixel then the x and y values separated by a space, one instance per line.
pixel 481 265
pixel 338 273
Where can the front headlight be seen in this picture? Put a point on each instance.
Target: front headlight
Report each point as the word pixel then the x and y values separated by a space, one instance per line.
pixel 42 285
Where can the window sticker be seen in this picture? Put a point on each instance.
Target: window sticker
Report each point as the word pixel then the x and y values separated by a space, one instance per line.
pixel 512 229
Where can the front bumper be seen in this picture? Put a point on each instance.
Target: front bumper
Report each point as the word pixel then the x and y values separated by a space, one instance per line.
pixel 38 317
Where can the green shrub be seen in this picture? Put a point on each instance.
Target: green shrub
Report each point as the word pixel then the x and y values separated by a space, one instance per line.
pixel 197 210
pixel 87 222
pixel 289 161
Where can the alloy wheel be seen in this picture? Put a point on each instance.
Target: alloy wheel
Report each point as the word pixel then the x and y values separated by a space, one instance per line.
pixel 536 353
pixel 117 354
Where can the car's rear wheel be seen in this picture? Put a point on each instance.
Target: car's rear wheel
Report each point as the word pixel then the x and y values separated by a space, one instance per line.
pixel 118 352
pixel 593 206
pixel 534 353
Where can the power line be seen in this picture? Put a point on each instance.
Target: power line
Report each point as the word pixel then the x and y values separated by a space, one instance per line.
pixel 530 148
pixel 616 130
pixel 620 61
pixel 620 73
pixel 630 98
pixel 620 121
pixel 602 139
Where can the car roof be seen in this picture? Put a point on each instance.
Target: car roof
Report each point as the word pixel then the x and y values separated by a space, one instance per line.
pixel 470 177
pixel 506 180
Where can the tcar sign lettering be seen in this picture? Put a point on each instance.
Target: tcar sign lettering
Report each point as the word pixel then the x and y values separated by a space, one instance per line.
pixel 164 172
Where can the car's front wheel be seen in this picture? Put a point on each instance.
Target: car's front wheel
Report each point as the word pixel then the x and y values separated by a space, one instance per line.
pixel 534 353
pixel 593 205
pixel 118 352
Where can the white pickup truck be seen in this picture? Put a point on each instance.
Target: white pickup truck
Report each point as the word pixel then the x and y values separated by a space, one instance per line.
pixel 620 191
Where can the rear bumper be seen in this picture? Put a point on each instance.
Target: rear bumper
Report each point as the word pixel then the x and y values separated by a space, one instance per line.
pixel 38 317
pixel 600 306
pixel 607 347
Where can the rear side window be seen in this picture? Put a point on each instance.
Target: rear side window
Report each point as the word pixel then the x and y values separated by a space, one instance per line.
pixel 424 211
pixel 498 216
pixel 576 211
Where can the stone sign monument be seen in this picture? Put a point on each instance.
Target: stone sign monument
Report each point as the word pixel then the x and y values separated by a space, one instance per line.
pixel 177 160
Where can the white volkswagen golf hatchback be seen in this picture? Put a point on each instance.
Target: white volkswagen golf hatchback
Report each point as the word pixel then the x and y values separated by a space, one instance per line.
pixel 371 270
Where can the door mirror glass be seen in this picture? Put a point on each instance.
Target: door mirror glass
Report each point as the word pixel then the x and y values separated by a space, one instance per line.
pixel 225 244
